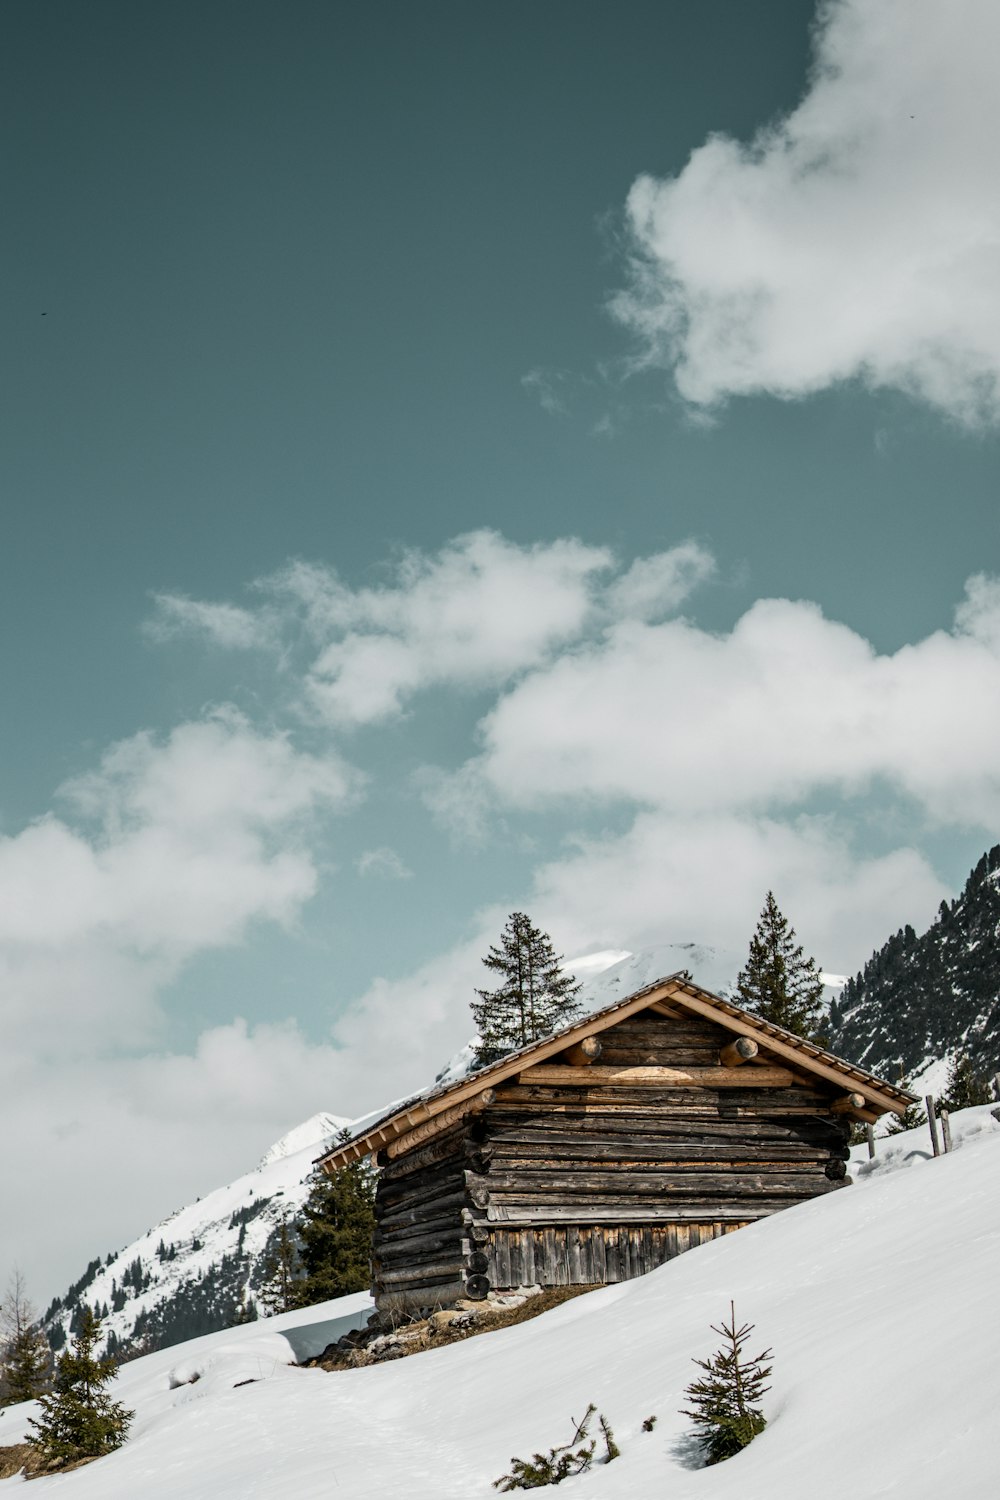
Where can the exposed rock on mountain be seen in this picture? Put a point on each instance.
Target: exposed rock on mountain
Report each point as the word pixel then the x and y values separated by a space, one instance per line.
pixel 919 1000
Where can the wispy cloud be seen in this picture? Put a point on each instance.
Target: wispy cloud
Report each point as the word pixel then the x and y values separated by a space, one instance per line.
pixel 550 389
pixel 384 863
pixel 475 614
pixel 857 238
pixel 226 624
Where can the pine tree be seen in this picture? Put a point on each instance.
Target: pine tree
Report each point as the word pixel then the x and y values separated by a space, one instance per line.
pixel 726 1400
pixel 335 1233
pixel 535 998
pixel 912 1117
pixel 779 983
pixel 25 1357
pixel 965 1087
pixel 281 1271
pixel 79 1418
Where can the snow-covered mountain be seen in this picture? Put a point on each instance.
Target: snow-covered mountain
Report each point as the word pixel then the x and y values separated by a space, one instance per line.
pixel 876 1304
pixel 920 999
pixel 193 1272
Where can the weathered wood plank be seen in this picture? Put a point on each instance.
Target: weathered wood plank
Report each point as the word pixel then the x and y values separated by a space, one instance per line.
pixel 555 1076
pixel 452 1238
pixel 418 1214
pixel 638 1131
pixel 626 1156
pixel 525 1215
pixel 426 1275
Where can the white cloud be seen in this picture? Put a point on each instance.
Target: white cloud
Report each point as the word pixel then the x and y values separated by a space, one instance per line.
pixel 175 845
pixel 475 614
pixel 125 1140
pixel 787 704
pixel 859 237
pixel 172 847
pixel 658 585
pixel 702 878
pixel 384 862
pixel 226 624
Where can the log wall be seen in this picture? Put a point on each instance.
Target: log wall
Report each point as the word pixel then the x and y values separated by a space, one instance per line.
pixel 575 1184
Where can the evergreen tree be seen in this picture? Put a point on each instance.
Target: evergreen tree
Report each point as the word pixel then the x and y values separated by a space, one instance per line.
pixel 281 1271
pixel 25 1357
pixel 911 1119
pixel 79 1418
pixel 965 1087
pixel 779 983
pixel 725 1400
pixel 335 1233
pixel 535 998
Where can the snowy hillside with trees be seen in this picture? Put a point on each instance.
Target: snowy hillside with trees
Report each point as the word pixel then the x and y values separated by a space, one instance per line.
pixel 878 1303
pixel 923 999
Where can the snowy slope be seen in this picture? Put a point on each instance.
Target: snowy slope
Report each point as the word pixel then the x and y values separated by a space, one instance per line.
pixel 192 1268
pixel 879 1303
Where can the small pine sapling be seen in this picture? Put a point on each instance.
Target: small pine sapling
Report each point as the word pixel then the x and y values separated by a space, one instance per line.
pixel 560 1463
pixel 725 1400
pixel 649 1423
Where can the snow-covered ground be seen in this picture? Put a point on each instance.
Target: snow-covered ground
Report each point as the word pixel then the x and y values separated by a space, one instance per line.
pixel 879 1302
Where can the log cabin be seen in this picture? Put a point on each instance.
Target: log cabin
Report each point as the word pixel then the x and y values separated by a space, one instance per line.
pixel 662 1121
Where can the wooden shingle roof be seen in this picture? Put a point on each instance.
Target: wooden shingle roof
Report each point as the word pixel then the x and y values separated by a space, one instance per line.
pixel 428 1112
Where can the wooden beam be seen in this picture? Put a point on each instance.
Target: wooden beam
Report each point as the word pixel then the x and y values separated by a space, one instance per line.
pixel 875 1100
pixel 584 1053
pixel 739 1050
pixel 669 1078
pixel 848 1104
pixel 436 1124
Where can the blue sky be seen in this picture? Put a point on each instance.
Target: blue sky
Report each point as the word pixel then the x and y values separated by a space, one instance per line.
pixel 458 459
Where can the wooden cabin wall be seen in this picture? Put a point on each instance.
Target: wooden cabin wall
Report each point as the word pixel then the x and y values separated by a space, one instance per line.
pixel 585 1184
pixel 421 1252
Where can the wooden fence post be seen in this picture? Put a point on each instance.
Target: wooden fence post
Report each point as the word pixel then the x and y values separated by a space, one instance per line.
pixel 870 1136
pixel 946 1130
pixel 932 1123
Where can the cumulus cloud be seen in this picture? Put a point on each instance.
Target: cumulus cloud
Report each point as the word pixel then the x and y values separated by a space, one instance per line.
pixel 169 848
pixel 702 878
pixel 475 614
pixel 858 237
pixel 785 705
